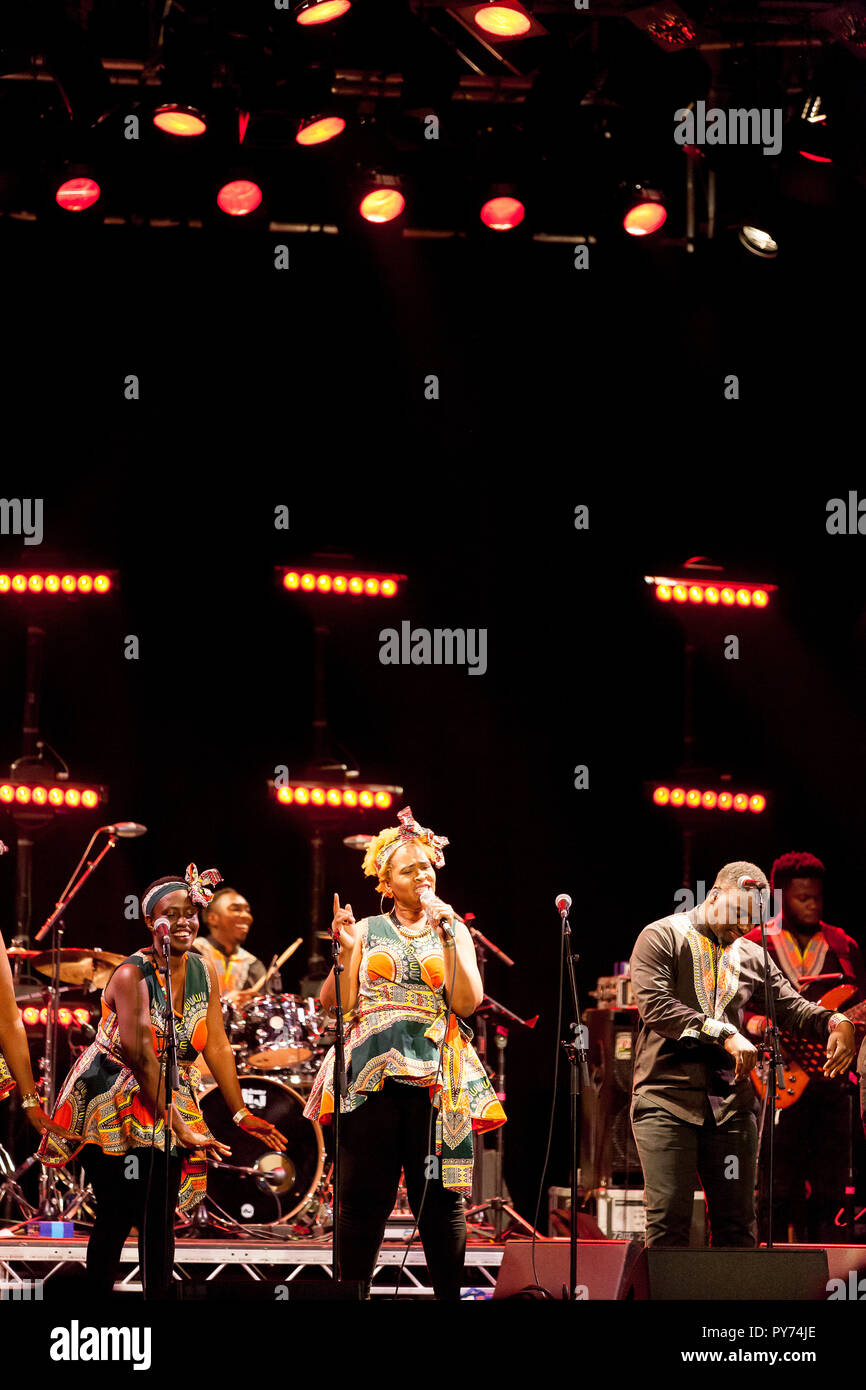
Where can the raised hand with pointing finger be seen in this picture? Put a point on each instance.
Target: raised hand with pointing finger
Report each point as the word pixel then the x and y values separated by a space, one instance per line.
pixel 344 924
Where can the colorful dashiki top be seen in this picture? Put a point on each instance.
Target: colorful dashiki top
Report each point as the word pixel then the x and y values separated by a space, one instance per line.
pixel 396 1030
pixel 101 1099
pixel 7 1080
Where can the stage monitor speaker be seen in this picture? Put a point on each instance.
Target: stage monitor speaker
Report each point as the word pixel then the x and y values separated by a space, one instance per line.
pixel 608 1155
pixel 603 1268
pixel 731 1275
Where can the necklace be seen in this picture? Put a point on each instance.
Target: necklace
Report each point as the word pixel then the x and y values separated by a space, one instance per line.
pixel 408 932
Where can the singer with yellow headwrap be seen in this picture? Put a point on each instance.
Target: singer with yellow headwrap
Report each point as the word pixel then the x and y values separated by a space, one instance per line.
pixel 410 978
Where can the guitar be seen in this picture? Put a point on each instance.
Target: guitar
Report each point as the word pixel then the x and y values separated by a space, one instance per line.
pixel 801 1058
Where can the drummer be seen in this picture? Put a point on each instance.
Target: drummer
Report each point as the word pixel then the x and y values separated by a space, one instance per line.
pixel 228 919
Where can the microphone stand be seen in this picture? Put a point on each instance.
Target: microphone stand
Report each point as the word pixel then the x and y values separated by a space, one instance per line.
pixel 172 1084
pixel 341 1091
pixel 775 1077
pixel 576 1053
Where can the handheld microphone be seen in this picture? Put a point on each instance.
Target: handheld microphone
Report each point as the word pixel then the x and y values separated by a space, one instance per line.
pixel 428 902
pixel 125 829
pixel 563 904
pixel 745 882
pixel 161 928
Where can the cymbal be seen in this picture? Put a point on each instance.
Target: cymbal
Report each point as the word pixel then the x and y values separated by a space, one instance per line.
pixel 20 952
pixel 80 965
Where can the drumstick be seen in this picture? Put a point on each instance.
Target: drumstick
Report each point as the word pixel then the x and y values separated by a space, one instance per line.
pixel 276 963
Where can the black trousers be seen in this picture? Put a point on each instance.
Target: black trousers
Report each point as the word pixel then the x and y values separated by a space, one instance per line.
pixel 389 1132
pixel 672 1153
pixel 119 1184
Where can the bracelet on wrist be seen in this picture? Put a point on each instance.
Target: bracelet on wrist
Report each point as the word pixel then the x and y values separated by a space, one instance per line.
pixel 241 1114
pixel 30 1101
pixel 836 1019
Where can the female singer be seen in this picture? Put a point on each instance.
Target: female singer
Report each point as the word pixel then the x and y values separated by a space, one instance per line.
pixel 15 1065
pixel 114 1097
pixel 404 977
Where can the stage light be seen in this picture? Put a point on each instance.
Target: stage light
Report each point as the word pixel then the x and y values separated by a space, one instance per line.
pixel 320 11
pixel 645 211
pixel 55 797
pixel 758 240
pixel 180 120
pixel 318 130
pixel 708 800
pixel 37 582
pixel 503 213
pixel 382 205
pixel 64 1016
pixel 81 1016
pixel 76 195
pixel 745 595
pixel 330 582
pixel 503 21
pixel 30 1015
pixel 239 198
pixel 313 794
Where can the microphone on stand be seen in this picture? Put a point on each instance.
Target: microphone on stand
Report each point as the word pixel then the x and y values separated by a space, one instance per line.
pixel 125 829
pixel 563 904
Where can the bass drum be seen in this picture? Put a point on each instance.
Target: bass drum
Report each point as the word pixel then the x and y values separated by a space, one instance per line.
pixel 253 1197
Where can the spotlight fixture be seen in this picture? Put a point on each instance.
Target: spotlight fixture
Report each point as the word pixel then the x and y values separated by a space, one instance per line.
pixel 77 194
pixel 692 798
pixel 239 197
pixel 645 210
pixel 180 120
pixel 57 582
pixel 501 20
pixel 309 12
pixel 502 212
pixel 359 583
pixel 319 129
pixel 758 241
pixel 718 595
pixel 384 202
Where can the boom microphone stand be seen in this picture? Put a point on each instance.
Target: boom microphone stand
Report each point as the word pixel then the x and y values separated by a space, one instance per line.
pixel 340 1093
pixel 770 1051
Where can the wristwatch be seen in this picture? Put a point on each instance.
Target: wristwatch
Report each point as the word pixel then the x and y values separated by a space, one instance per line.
pixel 715 1031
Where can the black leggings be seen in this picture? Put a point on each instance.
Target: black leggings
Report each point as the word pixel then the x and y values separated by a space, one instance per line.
pixel 119 1183
pixel 389 1132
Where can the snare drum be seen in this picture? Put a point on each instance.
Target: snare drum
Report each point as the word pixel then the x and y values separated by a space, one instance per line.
pixel 252 1196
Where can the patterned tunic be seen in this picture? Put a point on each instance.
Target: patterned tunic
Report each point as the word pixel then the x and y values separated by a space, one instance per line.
pixel 396 1030
pixel 101 1099
pixel 7 1081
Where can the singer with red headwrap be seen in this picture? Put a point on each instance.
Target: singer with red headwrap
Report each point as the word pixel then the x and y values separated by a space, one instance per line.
pixel 114 1097
pixel 410 978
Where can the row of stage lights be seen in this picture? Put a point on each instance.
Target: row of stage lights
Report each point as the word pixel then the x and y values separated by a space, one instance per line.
pixel 728 595
pixel 334 796
pixel 54 583
pixel 709 800
pixel 22 794
pixel 326 582
pixel 67 1018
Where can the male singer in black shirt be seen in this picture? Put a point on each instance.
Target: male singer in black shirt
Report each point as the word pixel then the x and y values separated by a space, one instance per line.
pixel 693 1107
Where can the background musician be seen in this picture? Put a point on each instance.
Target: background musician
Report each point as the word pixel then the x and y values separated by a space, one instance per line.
pixel 228 919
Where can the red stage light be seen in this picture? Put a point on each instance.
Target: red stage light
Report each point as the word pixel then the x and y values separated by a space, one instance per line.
pixel 341 583
pixel 350 798
pixel 179 120
pixel 678 796
pixel 22 795
pixel 356 586
pixel 644 218
pixel 693 797
pixel 5 583
pixel 302 796
pixel 285 795
pixel 501 214
pixel 7 793
pixel 728 597
pixel 67 584
pixel 661 796
pixel 30 1015
pixel 19 583
pixel 239 198
pixel 502 21
pixel 696 594
pixel 365 798
pixel 383 800
pixel 81 1016
pixel 757 803
pixel 102 583
pixel 711 594
pixel 334 797
pixel 388 588
pixel 89 799
pixel 744 598
pixel 680 593
pixel 317 796
pixel 36 583
pixel 319 131
pixel 760 598
pixel 382 205
pixel 741 802
pixel 39 796
pixel 43 1015
pixel 308 581
pixel 322 11
pixel 291 580
pixel 85 583
pixel 663 592
pixel 72 797
pixel 55 796
pixel 371 586
pixel 725 801
pixel 323 583
pixel 709 800
pixel 76 195
pixel 52 583
pixel 64 1016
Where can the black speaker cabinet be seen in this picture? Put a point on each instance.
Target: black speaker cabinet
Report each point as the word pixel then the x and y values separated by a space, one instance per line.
pixel 607 1148
pixel 732 1275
